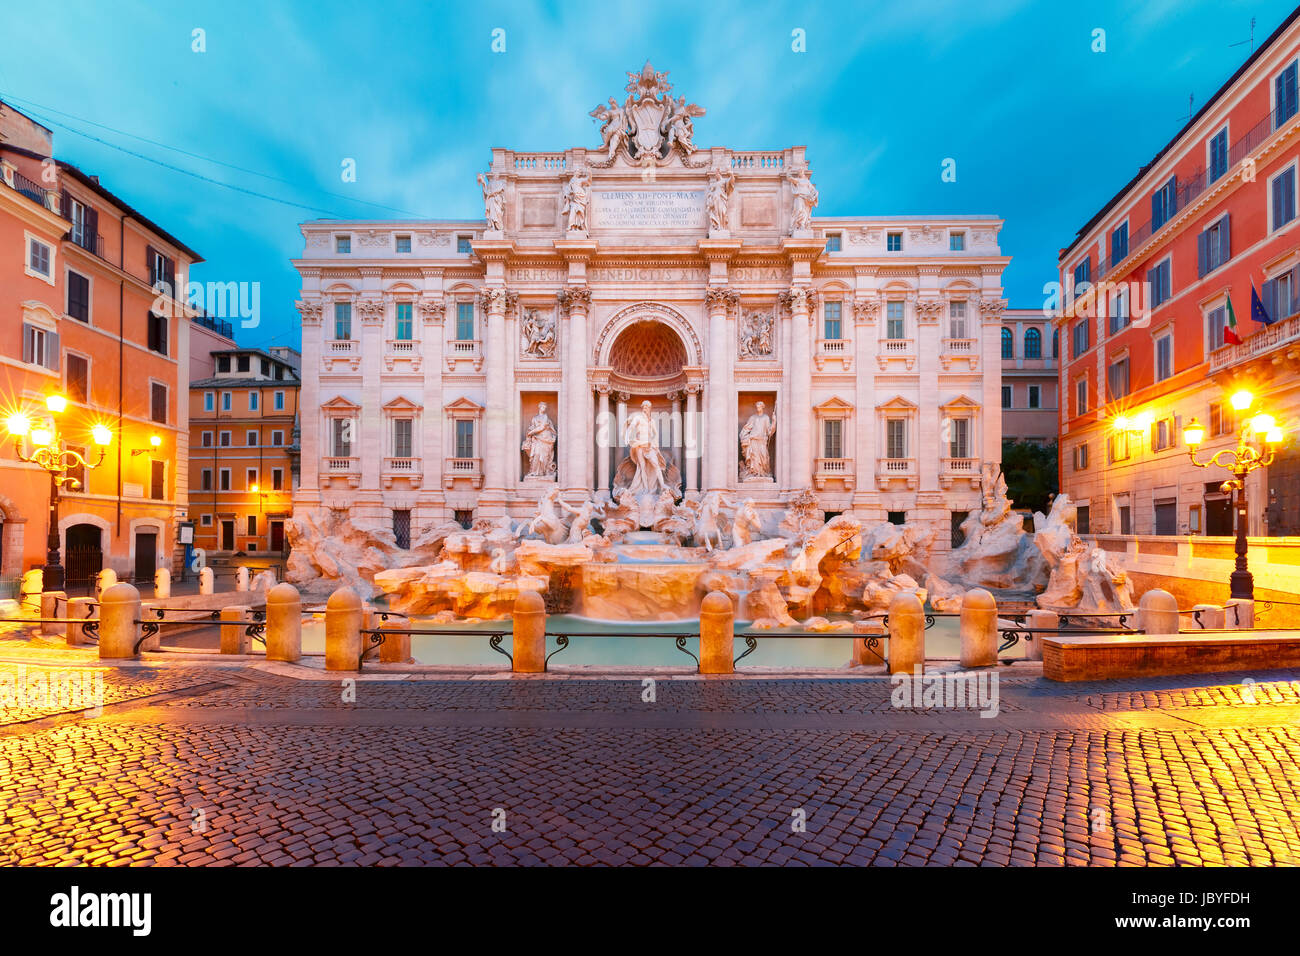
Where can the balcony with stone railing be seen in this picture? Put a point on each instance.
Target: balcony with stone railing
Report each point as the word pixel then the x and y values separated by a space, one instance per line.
pixel 959 469
pixel 965 351
pixel 411 469
pixel 896 469
pixel 840 469
pixel 467 350
pixel 345 352
pixel 341 468
pixel 471 468
pixel 838 349
pixel 896 350
pixel 1283 337
pixel 402 350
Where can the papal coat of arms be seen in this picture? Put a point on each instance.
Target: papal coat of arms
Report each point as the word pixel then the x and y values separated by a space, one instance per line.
pixel 650 124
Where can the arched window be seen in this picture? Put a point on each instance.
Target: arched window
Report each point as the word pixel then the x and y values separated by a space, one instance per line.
pixel 1056 343
pixel 1033 344
pixel 1008 344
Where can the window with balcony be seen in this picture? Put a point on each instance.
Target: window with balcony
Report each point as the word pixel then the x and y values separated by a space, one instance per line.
pixel 402 438
pixel 464 438
pixel 1008 344
pixel 341 437
pixel 1164 357
pixel 896 438
pixel 1118 243
pixel 1213 247
pixel 894 320
pixel 1117 380
pixel 1216 320
pixel 833 438
pixel 464 321
pixel 894 242
pixel 1033 344
pixel 1282 191
pixel 1218 155
pixel 832 324
pixel 1158 281
pixel 1279 294
pixel 959 438
pixel 342 321
pixel 78 296
pixel 957 319
pixel 1284 95
pixel 402 324
pixel 1164 203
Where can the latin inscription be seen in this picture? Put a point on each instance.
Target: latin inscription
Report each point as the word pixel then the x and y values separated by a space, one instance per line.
pixel 649 209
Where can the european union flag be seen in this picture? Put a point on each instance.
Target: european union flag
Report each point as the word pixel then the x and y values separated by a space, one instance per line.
pixel 1257 311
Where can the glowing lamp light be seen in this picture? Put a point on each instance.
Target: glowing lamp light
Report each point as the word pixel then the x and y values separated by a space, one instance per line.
pixel 1143 421
pixel 1273 436
pixel 254 489
pixel 56 403
pixel 1194 434
pixel 1263 424
pixel 155 440
pixel 18 425
pixel 41 436
pixel 1122 423
pixel 1242 400
pixel 101 434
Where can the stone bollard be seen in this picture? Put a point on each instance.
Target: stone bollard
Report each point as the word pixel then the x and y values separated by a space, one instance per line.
pixel 283 624
pixel 1239 612
pixel 396 648
pixel 717 634
pixel 864 656
pixel 529 642
pixel 343 618
pixel 119 609
pixel 29 591
pixel 234 636
pixel 78 609
pixel 979 629
pixel 1158 612
pixel 162 584
pixel 53 603
pixel 1210 616
pixel 206 582
pixel 241 579
pixel 1034 648
pixel 906 634
pixel 105 580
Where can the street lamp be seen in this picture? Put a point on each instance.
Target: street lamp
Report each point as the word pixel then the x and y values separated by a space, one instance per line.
pixel 1241 461
pixel 39 442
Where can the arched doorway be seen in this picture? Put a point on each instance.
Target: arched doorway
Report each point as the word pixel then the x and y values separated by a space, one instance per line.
pixel 83 555
pixel 647 362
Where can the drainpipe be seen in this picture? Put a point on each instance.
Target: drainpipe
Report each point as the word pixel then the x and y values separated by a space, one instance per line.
pixel 121 357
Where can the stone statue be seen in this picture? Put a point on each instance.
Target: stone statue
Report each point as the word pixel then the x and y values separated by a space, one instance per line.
pixel 721 182
pixel 494 202
pixel 549 523
pixel 641 436
pixel 756 460
pixel 582 516
pixel 805 198
pixel 539 445
pixel 622 516
pixel 707 529
pixel 756 335
pixel 669 520
pixel 574 199
pixel 613 132
pixel 747 525
pixel 538 333
pixel 1082 580
pixel 678 125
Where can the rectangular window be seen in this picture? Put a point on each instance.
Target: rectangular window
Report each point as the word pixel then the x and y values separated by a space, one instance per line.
pixel 342 437
pixel 279 401
pixel 1279 295
pixel 1117 380
pixel 1222 421
pixel 464 439
pixel 207 479
pixel 465 321
pixel 78 378
pixel 40 347
pixel 224 439
pixel 957 319
pixel 833 438
pixel 277 437
pixel 158 402
pixel 158 480
pixel 241 363
pixel 206 441
pixel 1035 396
pixel 223 364
pixel 1119 314
pixel 277 479
pixel 1284 96
pixel 1219 154
pixel 894 242
pixel 1081 456
pixel 250 438
pixel 225 479
pixel 205 520
pixel 833 329
pixel 1161 434
pixel 1007 396
pixel 1082 515
pixel 959 440
pixel 1082 277
pixel 157 333
pixel 252 525
pixel 401 438
pixel 342 244
pixel 896 517
pixel 1167 516
pixel 403 244
pixel 225 401
pixel 1119 450
pixel 209 401
pixel 78 296
pixel 402 325
pixel 1159 282
pixel 162 271
pixel 896 438
pixel 1164 357
pixel 38 258
pixel 1081 397
pixel 250 478
pixel 1282 188
pixel 956 242
pixel 1216 320
pixel 1164 203
pixel 833 241
pixel 894 320
pixel 1080 336
pixel 1125 518
pixel 253 399
pixel 1118 243
pixel 342 321
pixel 464 244
pixel 1213 247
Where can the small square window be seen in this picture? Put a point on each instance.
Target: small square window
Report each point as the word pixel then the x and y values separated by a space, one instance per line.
pixel 38 258
pixel 894 242
pixel 206 520
pixel 403 243
pixel 833 242
pixel 956 242
pixel 342 244
pixel 463 244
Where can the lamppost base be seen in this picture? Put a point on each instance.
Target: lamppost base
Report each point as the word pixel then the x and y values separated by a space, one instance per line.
pixel 52 577
pixel 1241 586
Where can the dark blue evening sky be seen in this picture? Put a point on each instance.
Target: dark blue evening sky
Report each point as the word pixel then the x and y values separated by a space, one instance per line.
pixel 1043 130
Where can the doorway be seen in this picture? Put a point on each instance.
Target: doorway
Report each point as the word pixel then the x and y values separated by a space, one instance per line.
pixel 228 534
pixel 146 554
pixel 277 536
pixel 83 555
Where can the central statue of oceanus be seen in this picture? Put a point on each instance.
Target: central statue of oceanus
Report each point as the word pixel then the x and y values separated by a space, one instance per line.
pixel 645 471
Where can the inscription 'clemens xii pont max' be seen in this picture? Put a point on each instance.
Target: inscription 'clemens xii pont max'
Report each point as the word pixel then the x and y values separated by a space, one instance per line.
pixel 649 209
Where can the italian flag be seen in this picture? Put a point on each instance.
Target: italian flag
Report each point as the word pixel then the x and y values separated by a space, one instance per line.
pixel 1230 330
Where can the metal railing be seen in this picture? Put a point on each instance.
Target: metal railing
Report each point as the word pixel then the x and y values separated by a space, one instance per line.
pixel 376 636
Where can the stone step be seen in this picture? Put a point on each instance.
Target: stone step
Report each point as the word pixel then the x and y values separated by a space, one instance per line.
pixel 1104 656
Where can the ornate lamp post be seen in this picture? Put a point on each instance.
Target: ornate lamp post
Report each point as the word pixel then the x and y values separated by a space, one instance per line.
pixel 41 443
pixel 1241 461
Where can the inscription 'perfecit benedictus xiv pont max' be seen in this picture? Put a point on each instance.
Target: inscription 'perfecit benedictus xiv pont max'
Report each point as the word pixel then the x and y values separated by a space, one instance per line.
pixel 644 266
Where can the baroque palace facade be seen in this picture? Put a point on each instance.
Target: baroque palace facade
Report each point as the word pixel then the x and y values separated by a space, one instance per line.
pixel 459 370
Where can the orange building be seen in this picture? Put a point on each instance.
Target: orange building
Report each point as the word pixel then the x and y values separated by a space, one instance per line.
pixel 1149 288
pixel 243 442
pixel 82 318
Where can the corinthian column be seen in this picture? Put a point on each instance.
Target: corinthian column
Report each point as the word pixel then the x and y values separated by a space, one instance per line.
pixel 716 438
pixel 797 427
pixel 575 432
pixel 493 445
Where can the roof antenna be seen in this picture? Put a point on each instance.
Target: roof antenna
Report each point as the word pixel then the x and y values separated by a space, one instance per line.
pixel 1251 41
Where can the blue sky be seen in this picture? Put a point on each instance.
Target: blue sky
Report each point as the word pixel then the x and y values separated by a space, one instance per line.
pixel 1043 130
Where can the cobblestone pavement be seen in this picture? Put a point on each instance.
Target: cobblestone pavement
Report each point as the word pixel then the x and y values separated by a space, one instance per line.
pixel 203 764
